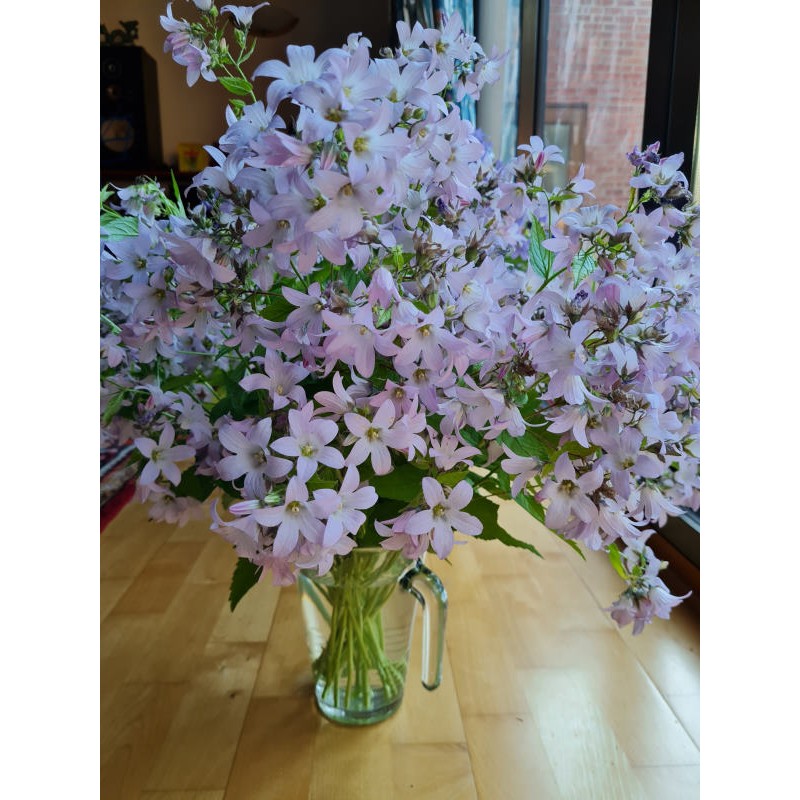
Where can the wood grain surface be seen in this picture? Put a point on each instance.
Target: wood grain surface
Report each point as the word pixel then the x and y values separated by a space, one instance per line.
pixel 542 696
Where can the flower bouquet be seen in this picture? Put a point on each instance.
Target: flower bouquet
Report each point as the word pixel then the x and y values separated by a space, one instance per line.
pixel 365 329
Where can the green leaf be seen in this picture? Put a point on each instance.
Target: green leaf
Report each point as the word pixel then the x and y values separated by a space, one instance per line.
pixel 615 557
pixel 531 506
pixel 574 448
pixel 574 545
pixel 220 409
pixel 245 577
pixel 113 406
pixel 277 309
pixel 114 227
pixel 452 478
pixel 583 265
pixel 317 482
pixel 532 444
pixel 178 200
pixel 495 487
pixel 237 105
pixel 539 258
pixel 471 436
pixel 197 486
pixel 178 382
pixel 236 85
pixel 486 511
pixel 404 482
pixel 530 407
pixel 382 510
pixel 351 277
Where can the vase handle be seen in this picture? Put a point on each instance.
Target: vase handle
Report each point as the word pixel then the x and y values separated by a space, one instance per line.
pixel 426 587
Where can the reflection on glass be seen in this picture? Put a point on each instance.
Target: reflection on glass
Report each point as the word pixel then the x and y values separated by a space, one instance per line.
pixel 596 81
pixel 499 26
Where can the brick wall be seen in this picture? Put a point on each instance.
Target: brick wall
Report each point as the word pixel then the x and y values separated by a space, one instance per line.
pixel 597 56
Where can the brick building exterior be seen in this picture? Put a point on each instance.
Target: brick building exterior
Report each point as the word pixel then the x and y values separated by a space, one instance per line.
pixel 596 80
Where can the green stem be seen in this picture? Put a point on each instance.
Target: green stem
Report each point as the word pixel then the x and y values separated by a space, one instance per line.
pixel 114 327
pixel 355 653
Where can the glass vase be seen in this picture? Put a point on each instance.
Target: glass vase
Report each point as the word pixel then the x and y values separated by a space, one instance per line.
pixel 359 620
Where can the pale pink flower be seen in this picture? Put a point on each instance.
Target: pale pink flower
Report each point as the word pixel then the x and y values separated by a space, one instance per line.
pixel 251 457
pixel 308 442
pixel 568 494
pixel 342 508
pixel 450 451
pixel 281 380
pixel 296 518
pixel 397 538
pixel 524 468
pixel 354 340
pixel 374 438
pixel 342 400
pixel 426 339
pixel 163 456
pixel 444 515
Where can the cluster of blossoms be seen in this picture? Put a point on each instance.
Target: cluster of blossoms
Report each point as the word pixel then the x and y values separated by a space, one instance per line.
pixel 366 324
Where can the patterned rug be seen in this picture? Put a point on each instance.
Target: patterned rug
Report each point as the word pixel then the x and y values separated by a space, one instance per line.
pixel 117 484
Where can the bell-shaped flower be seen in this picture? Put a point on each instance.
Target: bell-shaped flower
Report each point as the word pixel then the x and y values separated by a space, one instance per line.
pixel 308 442
pixel 250 457
pixel 426 339
pixel 343 508
pixel 397 538
pixel 625 459
pixel 162 456
pixel 242 14
pixel 296 518
pixel 354 340
pixel 522 467
pixel 444 515
pixel 302 68
pixel 373 147
pixel 342 400
pixel 568 494
pixel 281 380
pixel 450 451
pixel 374 438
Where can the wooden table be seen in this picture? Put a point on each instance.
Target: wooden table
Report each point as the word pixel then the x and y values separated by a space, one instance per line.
pixel 542 696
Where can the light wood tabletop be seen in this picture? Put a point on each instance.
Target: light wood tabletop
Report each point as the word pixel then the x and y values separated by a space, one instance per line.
pixel 542 697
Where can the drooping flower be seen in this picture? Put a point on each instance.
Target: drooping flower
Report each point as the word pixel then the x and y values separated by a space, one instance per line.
pixel 647 597
pixel 242 14
pixel 522 467
pixel 568 494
